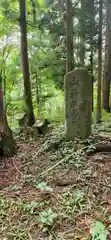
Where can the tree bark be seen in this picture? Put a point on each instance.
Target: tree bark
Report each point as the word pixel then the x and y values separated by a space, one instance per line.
pixel 25 64
pixel 100 148
pixel 106 84
pixel 107 66
pixel 37 93
pixel 69 38
pixel 7 144
pixel 82 34
pixel 36 75
pixel 91 9
pixel 98 110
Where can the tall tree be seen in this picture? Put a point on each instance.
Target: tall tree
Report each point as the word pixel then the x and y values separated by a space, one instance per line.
pixel 91 10
pixel 107 66
pixel 69 37
pixel 35 72
pixel 82 33
pixel 104 83
pixel 98 112
pixel 25 64
pixel 7 144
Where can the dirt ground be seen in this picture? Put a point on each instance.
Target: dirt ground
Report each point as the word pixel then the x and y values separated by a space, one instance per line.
pixel 54 193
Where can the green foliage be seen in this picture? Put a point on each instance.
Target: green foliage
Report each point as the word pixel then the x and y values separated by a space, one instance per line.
pixel 32 206
pixel 54 108
pixel 47 55
pixel 48 219
pixel 90 148
pixel 73 202
pixel 79 196
pixel 44 186
pixel 98 231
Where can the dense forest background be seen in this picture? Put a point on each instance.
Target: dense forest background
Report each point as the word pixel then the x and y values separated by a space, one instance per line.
pixel 46 34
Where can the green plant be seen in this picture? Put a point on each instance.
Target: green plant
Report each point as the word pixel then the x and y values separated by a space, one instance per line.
pixel 79 196
pixel 30 207
pixel 98 231
pixel 68 203
pixel 47 219
pixel 90 148
pixel 44 186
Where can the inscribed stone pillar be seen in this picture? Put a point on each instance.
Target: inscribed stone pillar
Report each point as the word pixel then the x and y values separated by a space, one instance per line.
pixel 78 106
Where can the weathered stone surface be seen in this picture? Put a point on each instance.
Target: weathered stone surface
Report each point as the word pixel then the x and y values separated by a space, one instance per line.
pixel 41 125
pixel 78 97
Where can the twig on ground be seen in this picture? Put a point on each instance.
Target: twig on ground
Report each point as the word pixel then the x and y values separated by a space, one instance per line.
pixel 57 164
pixel 17 167
pixel 40 150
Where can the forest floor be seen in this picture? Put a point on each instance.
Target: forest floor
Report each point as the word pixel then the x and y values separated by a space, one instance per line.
pixel 50 191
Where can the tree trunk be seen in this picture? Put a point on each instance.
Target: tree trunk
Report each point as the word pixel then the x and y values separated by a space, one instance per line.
pixel 36 75
pixel 91 9
pixel 107 66
pixel 98 110
pixel 7 144
pixel 82 34
pixel 37 93
pixel 25 63
pixel 69 37
pixel 106 84
pixel 33 11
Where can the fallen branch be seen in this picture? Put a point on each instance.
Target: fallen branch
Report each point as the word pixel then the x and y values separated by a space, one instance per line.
pixel 51 168
pixel 17 167
pixel 40 150
pixel 101 147
pixel 57 164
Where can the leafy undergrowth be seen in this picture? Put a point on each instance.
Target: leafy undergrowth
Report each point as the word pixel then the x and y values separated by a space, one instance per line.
pixel 53 190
